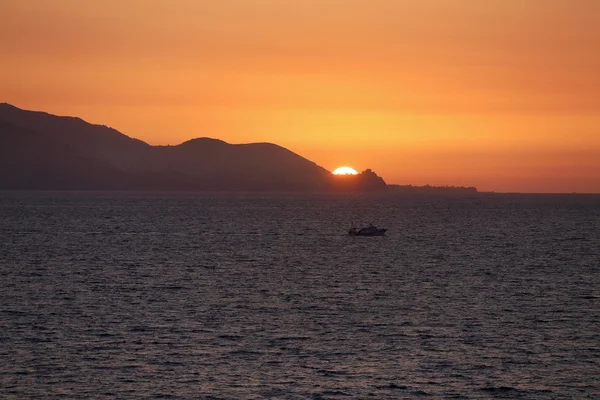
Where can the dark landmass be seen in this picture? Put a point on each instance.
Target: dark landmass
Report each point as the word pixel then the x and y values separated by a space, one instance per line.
pixel 431 189
pixel 366 181
pixel 40 151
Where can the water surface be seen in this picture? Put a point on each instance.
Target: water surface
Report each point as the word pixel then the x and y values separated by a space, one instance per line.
pixel 223 296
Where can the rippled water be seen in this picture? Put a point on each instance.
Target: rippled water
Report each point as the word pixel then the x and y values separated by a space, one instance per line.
pixel 265 296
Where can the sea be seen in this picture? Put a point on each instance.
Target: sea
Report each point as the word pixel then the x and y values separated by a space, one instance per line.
pixel 265 296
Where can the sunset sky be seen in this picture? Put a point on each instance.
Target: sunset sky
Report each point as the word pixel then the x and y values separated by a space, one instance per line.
pixel 500 94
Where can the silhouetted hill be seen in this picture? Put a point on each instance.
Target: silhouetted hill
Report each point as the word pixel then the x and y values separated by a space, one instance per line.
pixel 30 160
pixel 366 181
pixel 43 151
pixel 257 166
pixel 95 141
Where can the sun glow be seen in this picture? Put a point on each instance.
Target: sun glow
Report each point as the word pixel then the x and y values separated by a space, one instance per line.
pixel 345 171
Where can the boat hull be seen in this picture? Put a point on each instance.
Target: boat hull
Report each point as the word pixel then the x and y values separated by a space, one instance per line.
pixel 380 232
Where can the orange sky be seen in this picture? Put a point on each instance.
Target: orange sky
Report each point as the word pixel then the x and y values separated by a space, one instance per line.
pixel 503 95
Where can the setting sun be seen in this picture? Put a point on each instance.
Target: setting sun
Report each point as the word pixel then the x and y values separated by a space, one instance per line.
pixel 345 171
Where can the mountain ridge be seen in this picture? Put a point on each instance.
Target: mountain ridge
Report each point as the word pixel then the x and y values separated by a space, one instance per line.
pixel 114 160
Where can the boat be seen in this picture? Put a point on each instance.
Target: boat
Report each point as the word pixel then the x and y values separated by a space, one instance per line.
pixel 370 230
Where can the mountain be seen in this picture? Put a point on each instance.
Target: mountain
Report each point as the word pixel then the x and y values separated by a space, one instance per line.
pixel 30 160
pixel 257 166
pixel 94 141
pixel 44 151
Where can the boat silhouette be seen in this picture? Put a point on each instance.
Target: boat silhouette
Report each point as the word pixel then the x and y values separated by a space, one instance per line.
pixel 370 230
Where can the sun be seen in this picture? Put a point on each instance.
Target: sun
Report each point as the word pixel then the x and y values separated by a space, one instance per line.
pixel 345 171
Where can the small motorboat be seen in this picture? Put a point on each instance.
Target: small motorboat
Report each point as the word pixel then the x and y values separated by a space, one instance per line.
pixel 370 230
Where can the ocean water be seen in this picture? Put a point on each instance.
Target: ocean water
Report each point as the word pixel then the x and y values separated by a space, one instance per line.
pixel 225 296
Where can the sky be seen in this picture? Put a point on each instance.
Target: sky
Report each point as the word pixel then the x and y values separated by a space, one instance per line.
pixel 503 95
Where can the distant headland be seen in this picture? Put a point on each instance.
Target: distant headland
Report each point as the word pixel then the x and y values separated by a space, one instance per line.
pixel 431 189
pixel 40 151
